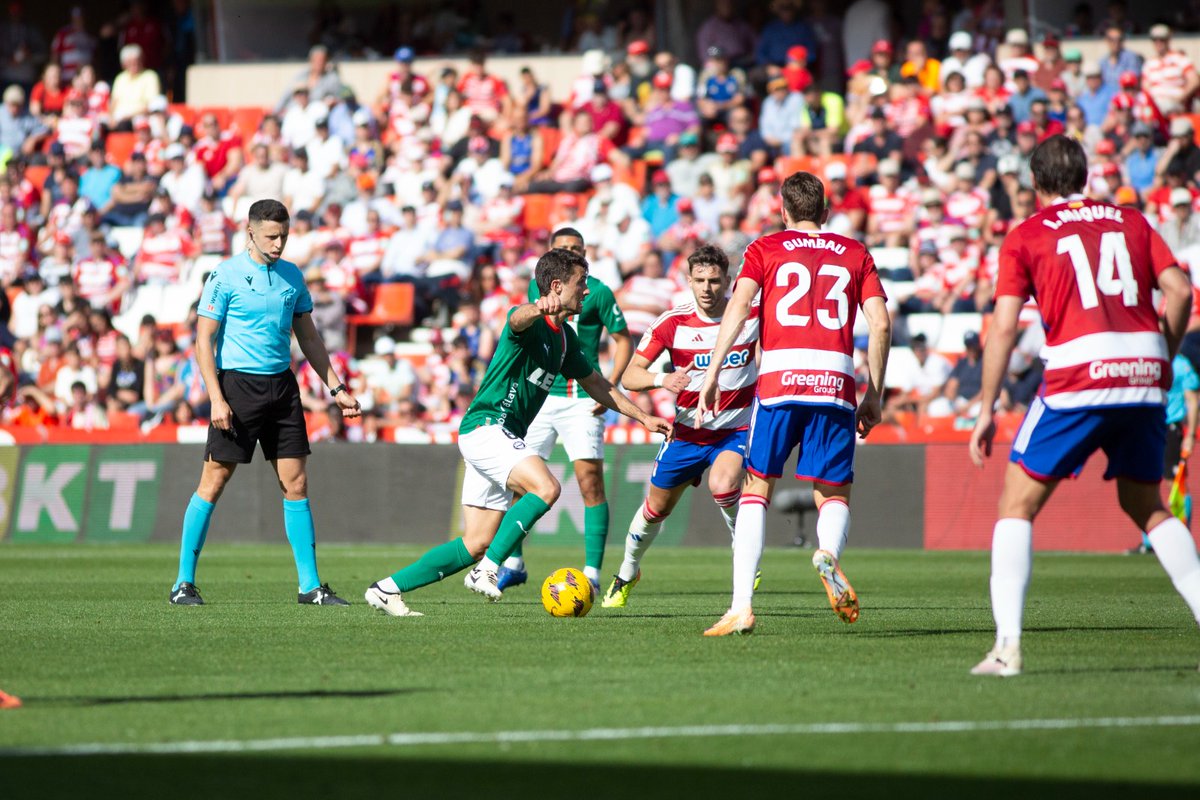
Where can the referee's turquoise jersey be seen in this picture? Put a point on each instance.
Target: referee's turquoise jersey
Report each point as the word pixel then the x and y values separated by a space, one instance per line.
pixel 255 304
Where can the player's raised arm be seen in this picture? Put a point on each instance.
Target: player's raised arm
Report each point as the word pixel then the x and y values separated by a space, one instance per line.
pixel 1002 337
pixel 525 315
pixel 598 387
pixel 736 314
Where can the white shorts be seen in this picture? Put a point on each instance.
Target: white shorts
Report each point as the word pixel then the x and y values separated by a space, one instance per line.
pixel 571 419
pixel 490 453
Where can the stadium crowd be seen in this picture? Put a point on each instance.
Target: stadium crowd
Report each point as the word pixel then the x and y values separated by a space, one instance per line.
pixel 114 200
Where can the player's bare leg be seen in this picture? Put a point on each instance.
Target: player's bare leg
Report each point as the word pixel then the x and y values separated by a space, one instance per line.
pixel 1169 537
pixel 589 474
pixel 643 528
pixel 747 553
pixel 833 526
pixel 1012 563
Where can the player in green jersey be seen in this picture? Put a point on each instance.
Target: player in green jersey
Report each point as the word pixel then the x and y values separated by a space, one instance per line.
pixel 574 418
pixel 535 347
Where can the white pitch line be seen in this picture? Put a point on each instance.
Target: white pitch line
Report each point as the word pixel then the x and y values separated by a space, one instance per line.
pixel 594 734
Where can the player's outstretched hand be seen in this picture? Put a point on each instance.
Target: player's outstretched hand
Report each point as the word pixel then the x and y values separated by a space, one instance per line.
pixel 867 415
pixel 981 438
pixel 677 381
pixel 549 304
pixel 221 415
pixel 350 406
pixel 710 398
pixel 659 425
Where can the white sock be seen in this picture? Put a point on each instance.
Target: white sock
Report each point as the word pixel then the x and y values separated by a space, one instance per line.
pixel 833 526
pixel 592 574
pixel 728 503
pixel 747 548
pixel 1012 562
pixel 516 563
pixel 388 585
pixel 644 526
pixel 487 563
pixel 1176 551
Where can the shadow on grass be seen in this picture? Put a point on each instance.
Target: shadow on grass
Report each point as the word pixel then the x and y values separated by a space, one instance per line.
pixel 311 694
pixel 381 774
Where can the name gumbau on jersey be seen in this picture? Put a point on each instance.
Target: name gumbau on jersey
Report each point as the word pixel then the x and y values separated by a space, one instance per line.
pixel 813 243
pixel 1139 373
pixel 1097 213
pixel 817 382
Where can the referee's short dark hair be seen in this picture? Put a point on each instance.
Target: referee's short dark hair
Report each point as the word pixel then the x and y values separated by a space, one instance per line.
pixel 556 265
pixel 707 255
pixel 268 211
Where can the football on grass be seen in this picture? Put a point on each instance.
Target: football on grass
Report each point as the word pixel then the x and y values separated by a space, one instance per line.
pixel 567 593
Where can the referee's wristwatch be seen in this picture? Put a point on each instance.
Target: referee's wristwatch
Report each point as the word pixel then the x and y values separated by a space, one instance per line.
pixel 335 391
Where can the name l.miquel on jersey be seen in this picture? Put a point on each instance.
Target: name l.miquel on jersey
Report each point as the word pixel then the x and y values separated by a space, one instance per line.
pixel 1084 214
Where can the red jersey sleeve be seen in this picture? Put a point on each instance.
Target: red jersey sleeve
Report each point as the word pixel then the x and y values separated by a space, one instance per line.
pixel 871 285
pixel 1161 257
pixel 656 338
pixel 752 264
pixel 1014 277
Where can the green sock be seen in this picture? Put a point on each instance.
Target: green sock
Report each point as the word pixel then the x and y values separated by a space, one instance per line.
pixel 595 534
pixel 515 525
pixel 437 563
pixel 519 550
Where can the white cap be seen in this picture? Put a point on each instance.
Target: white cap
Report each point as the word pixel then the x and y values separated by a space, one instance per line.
pixel 961 40
pixel 1091 70
pixel 965 171
pixel 835 171
pixel 595 62
pixel 889 166
pixel 361 117
pixel 1181 197
pixel 931 197
pixel 1181 126
pixel 1009 164
pixel 1160 31
pixel 601 172
pixel 1016 36
pixel 174 151
pixel 158 103
pixel 385 345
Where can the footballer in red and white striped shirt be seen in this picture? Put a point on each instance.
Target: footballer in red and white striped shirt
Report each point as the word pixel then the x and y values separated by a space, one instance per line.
pixel 1094 268
pixel 811 285
pixel 687 334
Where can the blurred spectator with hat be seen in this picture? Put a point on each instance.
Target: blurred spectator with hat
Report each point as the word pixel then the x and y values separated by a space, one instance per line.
pixel 620 196
pixel 1051 65
pixel 608 118
pixel 731 174
pixel 918 64
pixel 1118 60
pixel 890 219
pixel 882 142
pixel 20 131
pixel 1072 74
pixel 664 119
pixel 1096 97
pixel 721 89
pixel 1169 76
pixel 1141 157
pixel 659 209
pixel 847 204
pixel 1023 95
pixel 1020 57
pixel 964 60
pixel 1181 230
pixel 133 89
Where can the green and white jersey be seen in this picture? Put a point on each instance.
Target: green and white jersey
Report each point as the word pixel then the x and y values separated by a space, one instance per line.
pixel 522 370
pixel 600 310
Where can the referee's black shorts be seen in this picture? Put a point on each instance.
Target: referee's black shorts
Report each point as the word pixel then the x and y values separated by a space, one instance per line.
pixel 266 409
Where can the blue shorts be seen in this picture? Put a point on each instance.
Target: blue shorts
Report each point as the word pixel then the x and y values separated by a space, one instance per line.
pixel 824 435
pixel 679 463
pixel 1056 444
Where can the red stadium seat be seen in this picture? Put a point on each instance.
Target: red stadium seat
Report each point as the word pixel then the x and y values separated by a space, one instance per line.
pixel 551 137
pixel 37 174
pixel 247 119
pixel 537 211
pixel 185 112
pixel 119 146
pixel 393 306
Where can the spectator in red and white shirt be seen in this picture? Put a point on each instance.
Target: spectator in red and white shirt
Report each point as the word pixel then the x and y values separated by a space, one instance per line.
pixel 75 130
pixel 16 244
pixel 646 295
pixel 220 153
pixel 1021 57
pixel 1139 103
pixel 961 261
pixel 73 46
pixel 100 279
pixel 366 252
pixel 485 95
pixel 341 277
pixel 48 95
pixel 1170 77
pixel 571 169
pixel 890 217
pixel 97 94
pixel 967 204
pixel 163 255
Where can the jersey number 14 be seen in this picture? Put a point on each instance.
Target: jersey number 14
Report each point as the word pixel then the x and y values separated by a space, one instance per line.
pixel 1114 275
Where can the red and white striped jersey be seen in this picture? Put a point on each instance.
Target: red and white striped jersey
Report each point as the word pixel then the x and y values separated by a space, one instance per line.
pixel 213 229
pixel 14 253
pixel 161 258
pixel 1093 268
pixel 812 285
pixel 689 337
pixel 75 134
pixel 892 210
pixel 961 270
pixel 366 252
pixel 1165 78
pixel 95 277
pixel 969 208
pixel 1010 66
pixel 643 299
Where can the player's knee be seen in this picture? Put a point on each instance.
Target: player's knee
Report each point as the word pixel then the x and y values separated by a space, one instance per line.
pixel 722 485
pixel 548 488
pixel 294 487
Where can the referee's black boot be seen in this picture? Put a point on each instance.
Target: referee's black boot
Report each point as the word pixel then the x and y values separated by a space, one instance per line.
pixel 320 596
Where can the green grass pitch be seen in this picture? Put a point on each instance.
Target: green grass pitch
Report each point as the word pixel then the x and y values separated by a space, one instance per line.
pixel 88 641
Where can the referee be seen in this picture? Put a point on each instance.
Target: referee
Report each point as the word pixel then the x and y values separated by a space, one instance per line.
pixel 248 310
